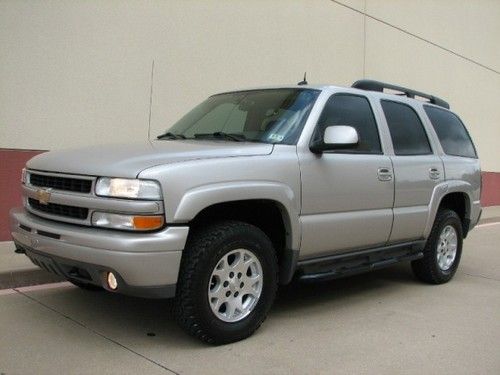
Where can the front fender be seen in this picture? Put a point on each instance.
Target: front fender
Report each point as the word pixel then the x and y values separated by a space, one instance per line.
pixel 201 197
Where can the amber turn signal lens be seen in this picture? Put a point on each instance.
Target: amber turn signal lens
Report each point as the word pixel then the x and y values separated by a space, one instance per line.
pixel 147 222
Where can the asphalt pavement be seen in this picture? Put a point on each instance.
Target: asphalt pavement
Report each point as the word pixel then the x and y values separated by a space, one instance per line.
pixel 384 322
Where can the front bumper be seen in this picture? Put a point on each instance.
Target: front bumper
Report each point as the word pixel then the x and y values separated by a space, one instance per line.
pixel 147 264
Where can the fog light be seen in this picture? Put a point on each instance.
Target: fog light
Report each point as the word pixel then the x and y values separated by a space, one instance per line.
pixel 112 282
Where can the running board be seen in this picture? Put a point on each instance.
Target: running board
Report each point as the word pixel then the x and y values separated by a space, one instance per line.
pixel 355 262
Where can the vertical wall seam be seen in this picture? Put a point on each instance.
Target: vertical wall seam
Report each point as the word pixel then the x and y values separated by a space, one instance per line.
pixel 404 31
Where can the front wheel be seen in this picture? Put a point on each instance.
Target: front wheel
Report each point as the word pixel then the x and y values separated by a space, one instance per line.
pixel 442 251
pixel 227 282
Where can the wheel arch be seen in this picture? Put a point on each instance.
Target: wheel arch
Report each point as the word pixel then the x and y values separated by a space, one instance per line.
pixel 454 195
pixel 260 203
pixel 267 215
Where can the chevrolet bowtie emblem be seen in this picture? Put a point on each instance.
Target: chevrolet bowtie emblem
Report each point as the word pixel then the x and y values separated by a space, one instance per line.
pixel 43 196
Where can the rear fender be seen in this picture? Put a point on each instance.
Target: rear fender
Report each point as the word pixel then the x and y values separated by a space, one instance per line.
pixel 439 192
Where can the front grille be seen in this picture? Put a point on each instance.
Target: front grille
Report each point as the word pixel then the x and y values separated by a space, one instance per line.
pixel 59 209
pixel 61 183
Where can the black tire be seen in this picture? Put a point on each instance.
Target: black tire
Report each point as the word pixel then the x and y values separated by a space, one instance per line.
pixel 85 286
pixel 427 269
pixel 203 251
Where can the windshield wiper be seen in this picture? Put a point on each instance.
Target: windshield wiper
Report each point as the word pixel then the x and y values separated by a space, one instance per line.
pixel 171 135
pixel 222 135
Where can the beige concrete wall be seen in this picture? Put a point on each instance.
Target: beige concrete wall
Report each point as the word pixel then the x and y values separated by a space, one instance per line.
pixel 454 33
pixel 470 28
pixel 472 91
pixel 74 73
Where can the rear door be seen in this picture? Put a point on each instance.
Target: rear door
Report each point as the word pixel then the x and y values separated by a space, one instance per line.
pixel 460 156
pixel 417 170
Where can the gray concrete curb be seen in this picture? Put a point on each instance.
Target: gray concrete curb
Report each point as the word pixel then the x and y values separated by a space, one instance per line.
pixel 36 276
pixel 16 270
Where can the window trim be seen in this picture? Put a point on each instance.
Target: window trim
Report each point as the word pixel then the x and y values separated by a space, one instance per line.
pixel 350 152
pixel 422 123
pixel 463 125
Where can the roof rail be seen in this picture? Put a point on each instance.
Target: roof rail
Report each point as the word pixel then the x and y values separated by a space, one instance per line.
pixel 370 85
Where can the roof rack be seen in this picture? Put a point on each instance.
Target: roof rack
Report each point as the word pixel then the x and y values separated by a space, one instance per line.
pixel 370 85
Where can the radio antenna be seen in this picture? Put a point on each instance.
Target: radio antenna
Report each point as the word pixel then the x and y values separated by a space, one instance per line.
pixel 304 81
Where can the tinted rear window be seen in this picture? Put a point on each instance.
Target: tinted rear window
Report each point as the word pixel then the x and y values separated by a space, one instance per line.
pixel 451 132
pixel 407 132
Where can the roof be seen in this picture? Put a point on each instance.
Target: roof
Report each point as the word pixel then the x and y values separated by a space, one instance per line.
pixel 375 88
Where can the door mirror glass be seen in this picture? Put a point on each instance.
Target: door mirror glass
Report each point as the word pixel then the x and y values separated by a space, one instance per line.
pixel 336 137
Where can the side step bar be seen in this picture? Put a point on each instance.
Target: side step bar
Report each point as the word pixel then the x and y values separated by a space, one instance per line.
pixel 354 262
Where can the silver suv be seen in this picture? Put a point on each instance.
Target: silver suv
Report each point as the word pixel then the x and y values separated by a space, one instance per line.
pixel 252 189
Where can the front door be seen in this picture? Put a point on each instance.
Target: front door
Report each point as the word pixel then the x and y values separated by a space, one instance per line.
pixel 347 195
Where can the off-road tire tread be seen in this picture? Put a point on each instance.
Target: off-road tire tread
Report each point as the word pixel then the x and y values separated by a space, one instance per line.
pixel 426 269
pixel 193 253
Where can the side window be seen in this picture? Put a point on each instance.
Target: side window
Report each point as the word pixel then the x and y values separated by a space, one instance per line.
pixel 451 132
pixel 355 111
pixel 407 131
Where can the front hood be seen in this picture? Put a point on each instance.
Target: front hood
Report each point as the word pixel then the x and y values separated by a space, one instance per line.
pixel 130 159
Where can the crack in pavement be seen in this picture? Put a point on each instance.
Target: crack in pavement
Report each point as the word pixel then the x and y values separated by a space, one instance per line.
pixel 96 332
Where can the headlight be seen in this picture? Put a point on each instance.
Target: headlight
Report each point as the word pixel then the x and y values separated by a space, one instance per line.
pixel 128 188
pixel 127 222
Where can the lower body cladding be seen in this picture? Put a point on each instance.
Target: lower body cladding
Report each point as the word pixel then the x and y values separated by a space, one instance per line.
pixel 144 264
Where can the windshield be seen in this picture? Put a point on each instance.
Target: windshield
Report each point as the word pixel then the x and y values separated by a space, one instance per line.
pixel 270 116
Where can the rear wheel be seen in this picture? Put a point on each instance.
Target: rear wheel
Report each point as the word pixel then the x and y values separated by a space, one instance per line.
pixel 227 282
pixel 442 251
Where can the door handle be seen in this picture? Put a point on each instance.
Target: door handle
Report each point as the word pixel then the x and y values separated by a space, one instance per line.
pixel 384 174
pixel 434 173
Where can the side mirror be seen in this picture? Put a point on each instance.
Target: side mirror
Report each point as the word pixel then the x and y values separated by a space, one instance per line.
pixel 336 137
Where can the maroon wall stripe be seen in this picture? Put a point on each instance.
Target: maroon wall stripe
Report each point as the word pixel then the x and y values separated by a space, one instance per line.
pixel 11 163
pixel 490 195
pixel 13 160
